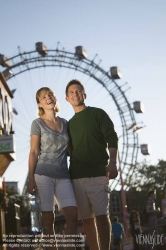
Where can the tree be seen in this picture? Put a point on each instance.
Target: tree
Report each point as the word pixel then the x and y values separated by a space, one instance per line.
pixel 146 177
pixel 11 191
pixel 14 198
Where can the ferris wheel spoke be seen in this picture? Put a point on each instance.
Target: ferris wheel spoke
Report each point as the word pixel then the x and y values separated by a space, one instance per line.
pixel 55 69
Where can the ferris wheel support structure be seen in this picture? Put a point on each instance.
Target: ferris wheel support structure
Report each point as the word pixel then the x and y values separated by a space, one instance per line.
pixel 25 61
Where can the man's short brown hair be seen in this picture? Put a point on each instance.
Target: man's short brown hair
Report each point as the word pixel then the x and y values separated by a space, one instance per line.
pixel 75 81
pixel 115 219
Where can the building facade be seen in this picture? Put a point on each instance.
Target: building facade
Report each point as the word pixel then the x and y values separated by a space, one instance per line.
pixel 7 145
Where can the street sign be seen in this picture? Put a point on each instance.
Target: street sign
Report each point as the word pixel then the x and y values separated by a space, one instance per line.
pixel 7 144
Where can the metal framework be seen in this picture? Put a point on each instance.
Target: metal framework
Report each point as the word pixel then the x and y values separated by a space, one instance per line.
pixel 60 58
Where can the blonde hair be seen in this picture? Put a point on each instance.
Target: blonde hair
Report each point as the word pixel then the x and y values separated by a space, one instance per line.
pixel 45 90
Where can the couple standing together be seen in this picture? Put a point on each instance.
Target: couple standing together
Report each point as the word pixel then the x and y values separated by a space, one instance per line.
pixel 91 141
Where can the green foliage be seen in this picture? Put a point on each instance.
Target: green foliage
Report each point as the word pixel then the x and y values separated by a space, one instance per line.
pixel 10 191
pixel 14 197
pixel 146 177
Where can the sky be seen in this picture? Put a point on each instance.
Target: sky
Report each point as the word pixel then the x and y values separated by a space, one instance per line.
pixel 128 34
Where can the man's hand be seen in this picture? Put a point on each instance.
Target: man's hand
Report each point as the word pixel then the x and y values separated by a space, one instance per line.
pixel 112 171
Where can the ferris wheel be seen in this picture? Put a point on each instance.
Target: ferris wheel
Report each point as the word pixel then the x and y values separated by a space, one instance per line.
pixel 104 89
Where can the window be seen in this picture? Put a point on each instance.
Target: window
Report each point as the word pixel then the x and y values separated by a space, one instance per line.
pixel 115 203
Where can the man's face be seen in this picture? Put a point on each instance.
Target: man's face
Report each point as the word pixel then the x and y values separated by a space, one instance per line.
pixel 75 95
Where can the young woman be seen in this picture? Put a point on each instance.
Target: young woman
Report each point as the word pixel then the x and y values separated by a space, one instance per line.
pixel 48 171
pixel 135 228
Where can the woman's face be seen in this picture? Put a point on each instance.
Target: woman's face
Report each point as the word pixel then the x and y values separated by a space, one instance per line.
pixel 135 215
pixel 47 100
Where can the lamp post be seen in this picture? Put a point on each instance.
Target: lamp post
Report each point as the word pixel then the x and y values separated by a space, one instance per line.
pixel 123 196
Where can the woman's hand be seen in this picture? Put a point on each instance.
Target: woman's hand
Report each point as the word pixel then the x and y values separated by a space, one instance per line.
pixel 32 188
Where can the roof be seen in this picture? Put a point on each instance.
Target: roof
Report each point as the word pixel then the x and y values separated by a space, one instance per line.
pixel 2 79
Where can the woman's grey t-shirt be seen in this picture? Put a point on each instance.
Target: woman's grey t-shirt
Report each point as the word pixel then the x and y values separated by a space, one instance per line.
pixel 52 160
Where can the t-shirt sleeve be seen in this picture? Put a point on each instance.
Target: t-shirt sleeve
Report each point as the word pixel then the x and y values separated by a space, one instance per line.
pixel 65 124
pixel 64 121
pixel 107 128
pixel 35 128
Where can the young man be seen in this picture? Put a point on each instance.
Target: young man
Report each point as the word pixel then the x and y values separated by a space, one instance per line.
pixel 152 212
pixel 92 136
pixel 117 231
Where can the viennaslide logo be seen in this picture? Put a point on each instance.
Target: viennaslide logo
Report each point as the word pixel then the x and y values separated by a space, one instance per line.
pixel 150 239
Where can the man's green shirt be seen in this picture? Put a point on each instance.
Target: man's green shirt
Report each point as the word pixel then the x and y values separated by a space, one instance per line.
pixel 92 133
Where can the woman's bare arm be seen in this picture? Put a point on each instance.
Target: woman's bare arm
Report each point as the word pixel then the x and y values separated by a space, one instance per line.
pixel 33 157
